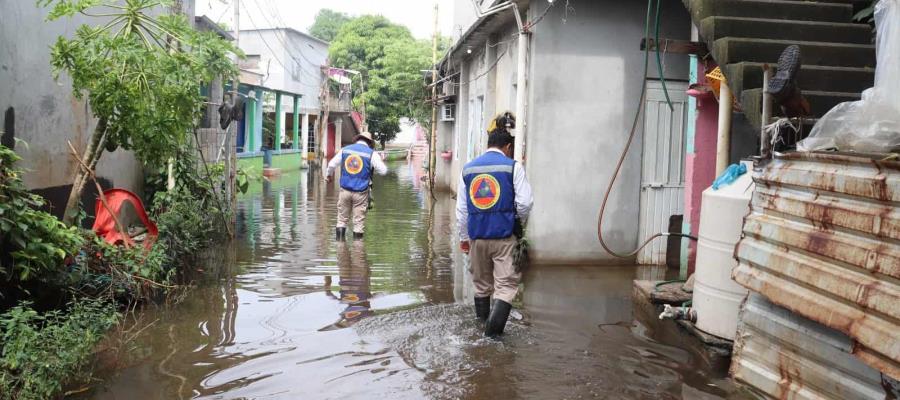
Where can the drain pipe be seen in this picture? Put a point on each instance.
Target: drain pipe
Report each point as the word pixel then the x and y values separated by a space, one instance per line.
pixel 723 142
pixel 676 313
pixel 521 72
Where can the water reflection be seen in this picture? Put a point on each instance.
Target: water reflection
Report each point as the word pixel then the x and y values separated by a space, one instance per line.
pixel 354 284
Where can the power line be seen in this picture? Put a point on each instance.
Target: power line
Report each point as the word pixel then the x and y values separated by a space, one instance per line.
pixel 266 43
pixel 283 42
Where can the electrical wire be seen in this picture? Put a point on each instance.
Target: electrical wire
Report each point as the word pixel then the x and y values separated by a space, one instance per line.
pixel 262 38
pixel 283 42
pixel 487 71
pixel 659 66
pixel 634 124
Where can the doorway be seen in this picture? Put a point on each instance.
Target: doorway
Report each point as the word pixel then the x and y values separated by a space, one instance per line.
pixel 662 166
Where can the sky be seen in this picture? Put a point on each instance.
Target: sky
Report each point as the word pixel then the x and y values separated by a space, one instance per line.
pixel 417 15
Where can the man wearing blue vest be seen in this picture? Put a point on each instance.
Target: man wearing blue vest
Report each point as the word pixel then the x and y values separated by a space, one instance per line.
pixel 493 202
pixel 357 162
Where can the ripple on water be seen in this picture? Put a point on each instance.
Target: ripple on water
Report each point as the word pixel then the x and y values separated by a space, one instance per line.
pixel 444 342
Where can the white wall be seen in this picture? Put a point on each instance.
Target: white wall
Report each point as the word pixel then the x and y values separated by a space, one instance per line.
pixel 586 77
pixel 282 52
pixel 46 112
pixel 584 84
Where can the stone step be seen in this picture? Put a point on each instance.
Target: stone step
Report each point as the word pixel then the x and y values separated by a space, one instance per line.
pixel 747 75
pixel 732 50
pixel 771 9
pixel 717 27
pixel 820 103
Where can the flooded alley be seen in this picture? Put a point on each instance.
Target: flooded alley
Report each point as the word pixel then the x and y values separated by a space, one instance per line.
pixel 291 314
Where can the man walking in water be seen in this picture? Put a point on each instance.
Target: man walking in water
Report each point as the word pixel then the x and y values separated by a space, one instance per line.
pixel 357 162
pixel 492 204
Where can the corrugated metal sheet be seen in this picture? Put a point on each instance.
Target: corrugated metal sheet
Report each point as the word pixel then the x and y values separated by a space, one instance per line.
pixel 822 241
pixel 786 356
pixel 662 169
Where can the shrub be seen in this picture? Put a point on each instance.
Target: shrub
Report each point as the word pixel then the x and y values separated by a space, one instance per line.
pixel 41 353
pixel 34 243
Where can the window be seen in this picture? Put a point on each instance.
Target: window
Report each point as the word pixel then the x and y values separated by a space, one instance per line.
pixel 448 112
pixel 296 71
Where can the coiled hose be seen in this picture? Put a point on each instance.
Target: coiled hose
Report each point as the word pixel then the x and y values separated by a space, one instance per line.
pixel 634 124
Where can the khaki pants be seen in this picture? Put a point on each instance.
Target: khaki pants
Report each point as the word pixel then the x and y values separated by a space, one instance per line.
pixel 493 272
pixel 358 204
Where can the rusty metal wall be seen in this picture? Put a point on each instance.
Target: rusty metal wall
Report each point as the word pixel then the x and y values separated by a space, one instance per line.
pixel 785 356
pixel 822 241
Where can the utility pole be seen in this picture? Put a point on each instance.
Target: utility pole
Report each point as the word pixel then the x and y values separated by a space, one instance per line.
pixel 232 131
pixel 432 146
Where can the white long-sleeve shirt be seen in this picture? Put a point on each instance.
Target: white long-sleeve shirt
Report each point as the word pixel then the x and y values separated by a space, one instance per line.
pixel 377 162
pixel 524 199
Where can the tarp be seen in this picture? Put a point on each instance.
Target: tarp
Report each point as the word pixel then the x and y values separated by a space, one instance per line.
pixel 105 224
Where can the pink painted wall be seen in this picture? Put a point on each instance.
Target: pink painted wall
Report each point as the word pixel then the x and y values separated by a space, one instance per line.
pixel 701 164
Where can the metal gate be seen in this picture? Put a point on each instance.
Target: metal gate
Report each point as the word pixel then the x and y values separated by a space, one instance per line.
pixel 662 166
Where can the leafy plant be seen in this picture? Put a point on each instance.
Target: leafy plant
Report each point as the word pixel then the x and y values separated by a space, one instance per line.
pixel 42 352
pixel 867 14
pixel 142 75
pixel 327 24
pixel 34 243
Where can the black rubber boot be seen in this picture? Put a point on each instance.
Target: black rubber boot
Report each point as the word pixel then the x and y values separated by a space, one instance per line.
pixel 497 319
pixel 482 308
pixel 357 235
pixel 340 233
pixel 783 84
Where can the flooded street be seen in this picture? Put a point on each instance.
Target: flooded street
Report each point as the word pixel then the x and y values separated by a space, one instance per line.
pixel 290 314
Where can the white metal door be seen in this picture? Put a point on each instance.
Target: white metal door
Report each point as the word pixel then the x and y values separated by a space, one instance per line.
pixel 662 169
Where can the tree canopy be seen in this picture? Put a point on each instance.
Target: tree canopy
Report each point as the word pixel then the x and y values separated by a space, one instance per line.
pixel 327 24
pixel 390 62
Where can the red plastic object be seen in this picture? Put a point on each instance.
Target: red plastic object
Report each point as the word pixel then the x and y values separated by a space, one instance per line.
pixel 105 225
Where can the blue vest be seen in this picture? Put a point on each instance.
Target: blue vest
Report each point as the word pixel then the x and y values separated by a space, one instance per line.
pixel 490 196
pixel 356 167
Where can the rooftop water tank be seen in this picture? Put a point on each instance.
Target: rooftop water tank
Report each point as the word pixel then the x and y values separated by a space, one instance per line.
pixel 717 297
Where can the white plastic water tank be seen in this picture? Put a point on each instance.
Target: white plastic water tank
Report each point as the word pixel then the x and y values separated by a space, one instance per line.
pixel 717 298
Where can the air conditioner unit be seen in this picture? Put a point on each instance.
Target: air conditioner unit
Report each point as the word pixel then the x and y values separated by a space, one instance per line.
pixel 448 88
pixel 448 112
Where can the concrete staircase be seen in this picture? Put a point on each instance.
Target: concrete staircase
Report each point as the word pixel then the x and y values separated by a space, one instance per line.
pixel 742 35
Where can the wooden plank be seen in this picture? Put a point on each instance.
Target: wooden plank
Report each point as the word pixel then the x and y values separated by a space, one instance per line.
pixel 677 46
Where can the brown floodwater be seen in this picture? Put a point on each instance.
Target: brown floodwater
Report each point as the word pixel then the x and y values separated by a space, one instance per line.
pixel 287 313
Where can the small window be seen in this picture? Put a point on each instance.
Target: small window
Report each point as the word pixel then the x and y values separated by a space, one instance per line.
pixel 448 112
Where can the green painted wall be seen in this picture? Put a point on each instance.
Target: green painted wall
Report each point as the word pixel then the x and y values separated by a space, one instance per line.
pixel 285 162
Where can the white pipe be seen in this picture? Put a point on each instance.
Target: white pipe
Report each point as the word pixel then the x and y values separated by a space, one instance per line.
pixel 766 113
pixel 521 95
pixel 723 142
pixel 521 72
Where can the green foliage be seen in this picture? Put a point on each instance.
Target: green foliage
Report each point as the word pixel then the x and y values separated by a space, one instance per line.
pixel 142 74
pixel 327 24
pixel 867 14
pixel 41 353
pixel 183 230
pixel 122 273
pixel 36 242
pixel 390 61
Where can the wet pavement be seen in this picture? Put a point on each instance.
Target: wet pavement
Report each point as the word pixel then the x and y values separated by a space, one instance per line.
pixel 287 313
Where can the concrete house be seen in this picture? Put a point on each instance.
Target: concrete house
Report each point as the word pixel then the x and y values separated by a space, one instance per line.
pixel 283 75
pixel 583 69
